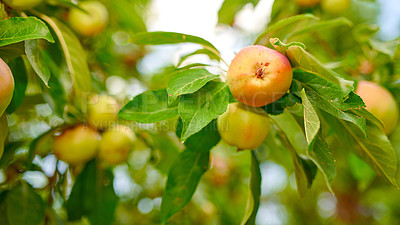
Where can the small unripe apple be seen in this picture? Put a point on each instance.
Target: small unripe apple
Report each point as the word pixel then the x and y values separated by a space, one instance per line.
pixel 102 111
pixel 116 144
pixel 22 4
pixel 335 7
pixel 307 3
pixel 91 23
pixel 76 145
pixel 243 126
pixel 6 86
pixel 259 75
pixel 379 102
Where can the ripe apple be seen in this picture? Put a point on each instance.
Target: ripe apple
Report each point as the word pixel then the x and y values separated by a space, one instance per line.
pixel 77 145
pixel 259 75
pixel 22 4
pixel 6 86
pixel 379 102
pixel 243 126
pixel 102 111
pixel 116 144
pixel 307 3
pixel 91 23
pixel 335 7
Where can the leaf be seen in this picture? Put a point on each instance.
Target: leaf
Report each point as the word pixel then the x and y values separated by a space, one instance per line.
pixel 328 97
pixel 376 150
pixel 149 107
pixel 253 201
pixel 311 119
pixel 24 206
pixel 326 24
pixel 19 72
pixel 188 81
pixel 9 153
pixel 162 38
pixel 107 201
pixel 3 133
pixel 282 25
pixel 203 51
pixel 75 56
pixel 12 51
pixel 33 52
pixel 187 170
pixel 17 29
pixel 229 8
pixel 200 108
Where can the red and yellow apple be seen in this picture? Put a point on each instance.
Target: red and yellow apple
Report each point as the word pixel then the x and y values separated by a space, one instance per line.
pixel 6 86
pixel 91 23
pixel 379 102
pixel 116 144
pixel 76 145
pixel 102 111
pixel 243 126
pixel 307 3
pixel 335 7
pixel 259 75
pixel 22 4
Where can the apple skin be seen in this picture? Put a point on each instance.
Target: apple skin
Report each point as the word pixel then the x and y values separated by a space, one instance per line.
pixel 307 3
pixel 89 24
pixel 102 111
pixel 76 145
pixel 259 75
pixel 243 126
pixel 6 86
pixel 335 7
pixel 116 144
pixel 379 102
pixel 23 4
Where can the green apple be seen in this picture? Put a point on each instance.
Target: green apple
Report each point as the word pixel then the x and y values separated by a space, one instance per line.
pixel 6 86
pixel 91 23
pixel 243 126
pixel 259 75
pixel 116 144
pixel 22 4
pixel 379 102
pixel 76 145
pixel 335 7
pixel 102 111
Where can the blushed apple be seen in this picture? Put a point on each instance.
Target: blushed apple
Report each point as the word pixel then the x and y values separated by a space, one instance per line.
pixel 102 111
pixel 91 23
pixel 6 86
pixel 379 102
pixel 243 126
pixel 259 75
pixel 307 3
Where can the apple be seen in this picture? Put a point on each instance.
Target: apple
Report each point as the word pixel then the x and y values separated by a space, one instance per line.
pixel 116 144
pixel 91 23
pixel 6 86
pixel 76 145
pixel 102 111
pixel 335 7
pixel 259 75
pixel 243 126
pixel 379 102
pixel 22 4
pixel 307 3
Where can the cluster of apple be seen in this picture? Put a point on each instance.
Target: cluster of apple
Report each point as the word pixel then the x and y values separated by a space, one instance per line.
pixel 330 6
pixel 100 137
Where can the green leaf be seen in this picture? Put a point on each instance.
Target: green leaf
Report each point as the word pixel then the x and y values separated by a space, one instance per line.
pixel 203 51
pixel 376 150
pixel 188 81
pixel 229 8
pixel 107 201
pixel 3 133
pixel 326 24
pixel 149 107
pixel 33 50
pixel 75 57
pixel 24 206
pixel 329 97
pixel 311 119
pixel 253 201
pixel 12 51
pixel 3 208
pixel 200 108
pixel 187 170
pixel 9 153
pixel 19 72
pixel 162 38
pixel 16 29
